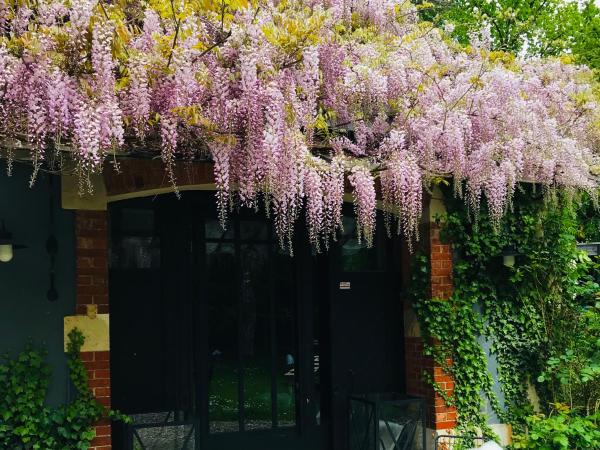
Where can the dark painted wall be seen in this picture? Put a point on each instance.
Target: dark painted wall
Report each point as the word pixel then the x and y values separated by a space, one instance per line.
pixel 25 313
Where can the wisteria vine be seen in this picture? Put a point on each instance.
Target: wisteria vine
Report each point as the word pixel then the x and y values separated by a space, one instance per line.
pixel 292 100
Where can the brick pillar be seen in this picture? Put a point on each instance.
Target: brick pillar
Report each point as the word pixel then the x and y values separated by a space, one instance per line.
pixel 439 415
pixel 441 265
pixel 91 237
pixel 441 287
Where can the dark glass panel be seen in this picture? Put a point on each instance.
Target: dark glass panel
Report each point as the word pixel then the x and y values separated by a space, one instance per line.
pixel 223 337
pixel 286 349
pixel 137 221
pixel 255 339
pixel 135 252
pixel 214 230
pixel 356 256
pixel 254 230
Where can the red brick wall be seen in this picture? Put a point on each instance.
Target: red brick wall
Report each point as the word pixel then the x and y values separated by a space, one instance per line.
pixel 443 416
pixel 98 370
pixel 91 247
pixel 439 415
pixel 91 236
pixel 441 265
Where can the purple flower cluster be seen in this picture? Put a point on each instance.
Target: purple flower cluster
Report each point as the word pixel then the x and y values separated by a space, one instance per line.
pixel 369 95
pixel 364 202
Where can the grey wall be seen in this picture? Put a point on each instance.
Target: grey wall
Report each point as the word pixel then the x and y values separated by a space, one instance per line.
pixel 24 311
pixel 492 365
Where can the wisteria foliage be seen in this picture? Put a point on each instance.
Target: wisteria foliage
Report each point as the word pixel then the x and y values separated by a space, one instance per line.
pixel 296 102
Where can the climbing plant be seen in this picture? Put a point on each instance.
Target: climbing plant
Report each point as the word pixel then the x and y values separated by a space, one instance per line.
pixel 27 422
pixel 450 330
pixel 536 314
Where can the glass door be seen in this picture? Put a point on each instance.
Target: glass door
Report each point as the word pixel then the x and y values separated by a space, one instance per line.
pixel 260 393
pixel 214 332
pixel 365 321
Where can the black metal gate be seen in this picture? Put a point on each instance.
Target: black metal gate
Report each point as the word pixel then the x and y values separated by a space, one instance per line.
pixel 386 422
pixel 162 431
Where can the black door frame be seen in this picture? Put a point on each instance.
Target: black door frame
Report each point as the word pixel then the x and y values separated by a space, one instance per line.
pixel 304 327
pixel 387 276
pixel 316 287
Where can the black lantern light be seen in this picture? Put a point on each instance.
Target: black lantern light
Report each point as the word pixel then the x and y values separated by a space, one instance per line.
pixel 7 246
pixel 509 255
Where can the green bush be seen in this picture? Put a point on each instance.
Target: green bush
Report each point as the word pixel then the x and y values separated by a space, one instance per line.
pixel 573 374
pixel 561 431
pixel 26 422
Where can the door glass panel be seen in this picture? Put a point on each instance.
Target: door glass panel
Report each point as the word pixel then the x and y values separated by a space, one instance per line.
pixel 252 334
pixel 223 338
pixel 256 336
pixel 214 230
pixel 317 373
pixel 137 221
pixel 356 256
pixel 254 230
pixel 134 252
pixel 286 356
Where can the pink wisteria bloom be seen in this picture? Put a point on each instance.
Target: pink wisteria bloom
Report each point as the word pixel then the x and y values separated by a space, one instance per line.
pixel 365 97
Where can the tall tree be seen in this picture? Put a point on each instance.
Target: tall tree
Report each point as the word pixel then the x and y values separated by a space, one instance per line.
pixel 535 27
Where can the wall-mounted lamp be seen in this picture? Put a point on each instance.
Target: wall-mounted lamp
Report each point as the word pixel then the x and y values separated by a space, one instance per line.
pixel 7 246
pixel 509 256
pixel 591 248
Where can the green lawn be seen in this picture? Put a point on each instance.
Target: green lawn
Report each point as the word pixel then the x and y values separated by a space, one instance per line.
pixel 223 396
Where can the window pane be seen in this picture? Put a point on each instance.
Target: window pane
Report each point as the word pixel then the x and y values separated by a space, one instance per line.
pixel 223 337
pixel 284 299
pixel 214 230
pixel 137 221
pixel 135 252
pixel 254 230
pixel 357 257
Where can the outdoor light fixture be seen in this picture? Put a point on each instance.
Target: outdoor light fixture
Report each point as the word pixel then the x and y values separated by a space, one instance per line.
pixel 591 248
pixel 509 257
pixel 7 247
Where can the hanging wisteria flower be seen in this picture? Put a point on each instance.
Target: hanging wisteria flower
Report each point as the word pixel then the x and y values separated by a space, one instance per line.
pixel 297 102
pixel 364 203
pixel 313 190
pixel 402 186
pixel 136 100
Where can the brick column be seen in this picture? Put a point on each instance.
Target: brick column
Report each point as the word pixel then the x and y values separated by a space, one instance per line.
pixel 439 415
pixel 441 265
pixel 91 237
pixel 441 287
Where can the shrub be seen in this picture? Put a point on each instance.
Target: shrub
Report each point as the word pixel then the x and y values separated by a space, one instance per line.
pixel 561 431
pixel 26 422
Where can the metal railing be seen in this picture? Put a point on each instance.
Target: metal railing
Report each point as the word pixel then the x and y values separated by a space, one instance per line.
pixel 386 422
pixel 153 432
pixel 461 442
